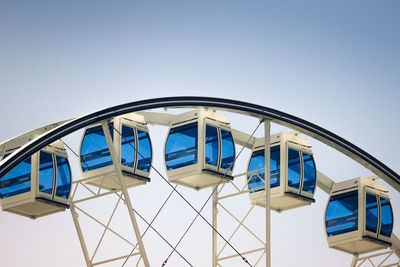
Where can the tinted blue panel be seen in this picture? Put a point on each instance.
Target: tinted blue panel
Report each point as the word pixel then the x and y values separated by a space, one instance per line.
pixel 228 150
pixel 310 173
pixel 181 146
pixel 144 151
pixel 46 173
pixel 257 162
pixel 94 149
pixel 371 213
pixel 293 168
pixel 211 150
pixel 17 181
pixel 127 146
pixel 386 218
pixel 275 166
pixel 342 214
pixel 63 177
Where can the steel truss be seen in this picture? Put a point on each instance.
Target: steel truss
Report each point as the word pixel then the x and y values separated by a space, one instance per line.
pixel 386 258
pixel 383 258
pixel 218 205
pixel 124 195
pixel 239 188
pixel 77 210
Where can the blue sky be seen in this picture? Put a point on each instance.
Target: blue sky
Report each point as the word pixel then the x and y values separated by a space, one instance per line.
pixel 334 63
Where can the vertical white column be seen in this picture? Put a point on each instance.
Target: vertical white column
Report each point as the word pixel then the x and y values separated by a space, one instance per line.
pixel 214 224
pixel 354 261
pixel 80 235
pixel 267 153
pixel 116 163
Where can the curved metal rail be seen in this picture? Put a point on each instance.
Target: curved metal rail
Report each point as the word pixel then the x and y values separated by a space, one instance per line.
pixel 261 112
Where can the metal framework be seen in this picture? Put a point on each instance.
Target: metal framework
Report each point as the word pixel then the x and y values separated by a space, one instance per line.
pixel 385 258
pixel 262 247
pixel 47 135
pixel 76 211
pixel 127 201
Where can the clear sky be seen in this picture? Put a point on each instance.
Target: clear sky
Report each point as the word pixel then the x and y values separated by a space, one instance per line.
pixel 334 63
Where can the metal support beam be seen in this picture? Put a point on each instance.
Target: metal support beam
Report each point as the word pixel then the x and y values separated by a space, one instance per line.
pixel 214 224
pixel 157 118
pixel 395 245
pixel 243 139
pixel 124 191
pixel 267 152
pixel 324 182
pixel 248 142
pixel 80 235
pixel 354 261
pixel 384 258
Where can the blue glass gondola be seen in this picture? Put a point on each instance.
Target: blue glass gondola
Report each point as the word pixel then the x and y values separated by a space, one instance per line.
pixel 358 216
pixel 132 144
pixel 199 149
pixel 38 186
pixel 293 173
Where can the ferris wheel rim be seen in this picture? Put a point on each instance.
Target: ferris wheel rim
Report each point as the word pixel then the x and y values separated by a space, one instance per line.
pixel 235 106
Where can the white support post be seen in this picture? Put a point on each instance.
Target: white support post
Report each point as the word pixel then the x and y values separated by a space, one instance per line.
pixel 214 223
pixel 395 245
pixel 267 152
pixel 354 261
pixel 80 235
pixel 324 182
pixel 125 192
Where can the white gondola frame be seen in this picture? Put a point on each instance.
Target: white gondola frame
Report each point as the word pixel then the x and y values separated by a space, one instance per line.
pixel 35 203
pixel 196 175
pixel 105 177
pixel 280 199
pixel 367 240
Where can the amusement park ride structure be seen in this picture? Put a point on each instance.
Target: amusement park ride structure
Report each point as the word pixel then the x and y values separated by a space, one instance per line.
pixel 116 154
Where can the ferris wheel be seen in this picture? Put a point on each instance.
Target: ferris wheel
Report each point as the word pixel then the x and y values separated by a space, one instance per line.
pixel 201 151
